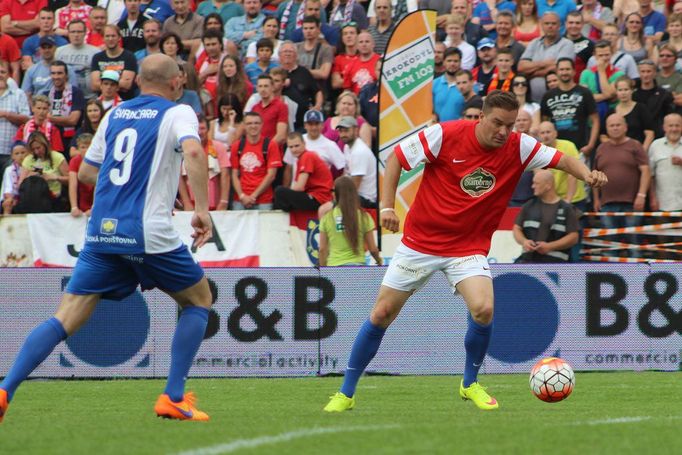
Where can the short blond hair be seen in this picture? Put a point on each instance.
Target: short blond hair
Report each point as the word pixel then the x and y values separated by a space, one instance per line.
pixel 455 19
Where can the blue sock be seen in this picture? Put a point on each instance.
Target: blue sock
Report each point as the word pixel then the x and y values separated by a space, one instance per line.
pixel 476 343
pixel 38 345
pixel 189 334
pixel 364 349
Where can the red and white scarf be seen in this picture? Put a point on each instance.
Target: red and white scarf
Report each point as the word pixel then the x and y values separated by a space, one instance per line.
pixel 285 17
pixel 65 105
pixel 46 128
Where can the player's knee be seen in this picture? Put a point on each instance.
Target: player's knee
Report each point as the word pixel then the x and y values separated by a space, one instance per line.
pixel 482 312
pixel 383 314
pixel 381 317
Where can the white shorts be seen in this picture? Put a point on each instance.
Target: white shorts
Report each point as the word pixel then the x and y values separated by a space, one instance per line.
pixel 409 270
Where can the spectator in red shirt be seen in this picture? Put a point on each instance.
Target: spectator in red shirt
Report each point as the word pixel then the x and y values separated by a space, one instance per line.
pixel 252 171
pixel 75 9
pixel 208 63
pixel 313 182
pixel 9 52
pixel 19 19
pixel 98 20
pixel 81 195
pixel 272 110
pixel 361 71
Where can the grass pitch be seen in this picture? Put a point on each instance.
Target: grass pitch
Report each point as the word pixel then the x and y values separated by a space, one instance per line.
pixel 608 413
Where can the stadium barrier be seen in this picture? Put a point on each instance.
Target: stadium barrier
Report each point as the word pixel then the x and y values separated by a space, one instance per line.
pixel 241 239
pixel 302 322
pixel 651 237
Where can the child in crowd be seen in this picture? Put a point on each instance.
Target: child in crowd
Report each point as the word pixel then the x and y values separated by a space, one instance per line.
pixel 81 195
pixel 10 179
pixel 40 106
pixel 263 63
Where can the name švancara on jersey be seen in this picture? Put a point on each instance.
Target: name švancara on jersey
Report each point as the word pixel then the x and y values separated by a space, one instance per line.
pixel 137 149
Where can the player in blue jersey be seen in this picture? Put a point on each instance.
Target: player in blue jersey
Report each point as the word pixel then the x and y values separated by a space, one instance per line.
pixel 135 160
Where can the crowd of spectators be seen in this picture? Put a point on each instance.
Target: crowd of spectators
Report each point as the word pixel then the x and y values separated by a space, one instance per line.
pixel 272 80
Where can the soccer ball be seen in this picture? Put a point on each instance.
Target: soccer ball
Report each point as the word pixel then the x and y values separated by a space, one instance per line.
pixel 552 379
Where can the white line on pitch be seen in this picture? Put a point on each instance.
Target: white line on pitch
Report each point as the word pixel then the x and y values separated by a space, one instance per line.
pixel 282 437
pixel 614 420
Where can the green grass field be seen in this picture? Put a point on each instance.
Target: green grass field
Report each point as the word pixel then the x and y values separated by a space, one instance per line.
pixel 617 413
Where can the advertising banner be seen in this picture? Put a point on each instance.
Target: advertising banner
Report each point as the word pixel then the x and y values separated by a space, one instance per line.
pixel 240 239
pixel 405 98
pixel 301 321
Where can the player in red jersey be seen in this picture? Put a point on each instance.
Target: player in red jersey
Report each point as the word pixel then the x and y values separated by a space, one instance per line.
pixel 471 170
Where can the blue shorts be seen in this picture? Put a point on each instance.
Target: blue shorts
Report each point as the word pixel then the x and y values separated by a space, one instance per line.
pixel 116 276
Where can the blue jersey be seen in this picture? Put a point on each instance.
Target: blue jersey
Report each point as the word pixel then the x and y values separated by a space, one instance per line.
pixel 137 149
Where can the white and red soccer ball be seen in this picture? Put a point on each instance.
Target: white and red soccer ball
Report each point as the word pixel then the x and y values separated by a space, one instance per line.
pixel 552 379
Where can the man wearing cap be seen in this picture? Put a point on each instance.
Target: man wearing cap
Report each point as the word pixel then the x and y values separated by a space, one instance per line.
pixel 273 111
pixel 483 73
pixel 67 102
pixel 78 55
pixel 315 141
pixel 361 164
pixel 542 53
pixel 37 79
pixel 109 87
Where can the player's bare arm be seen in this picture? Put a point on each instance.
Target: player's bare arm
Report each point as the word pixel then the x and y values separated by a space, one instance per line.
pixel 197 171
pixel 87 173
pixel 577 169
pixel 388 217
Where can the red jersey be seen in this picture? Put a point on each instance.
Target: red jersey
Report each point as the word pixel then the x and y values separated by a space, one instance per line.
pixel 359 73
pixel 19 11
pixel 319 184
pixel 211 82
pixel 253 169
pixel 342 63
pixel 86 192
pixel 65 14
pixel 465 187
pixel 9 51
pixel 272 114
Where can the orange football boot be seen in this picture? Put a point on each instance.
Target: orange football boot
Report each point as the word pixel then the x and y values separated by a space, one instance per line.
pixel 184 410
pixel 4 404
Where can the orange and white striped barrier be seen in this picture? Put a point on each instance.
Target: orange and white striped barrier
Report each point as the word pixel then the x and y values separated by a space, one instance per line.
pixel 632 229
pixel 671 214
pixel 622 260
